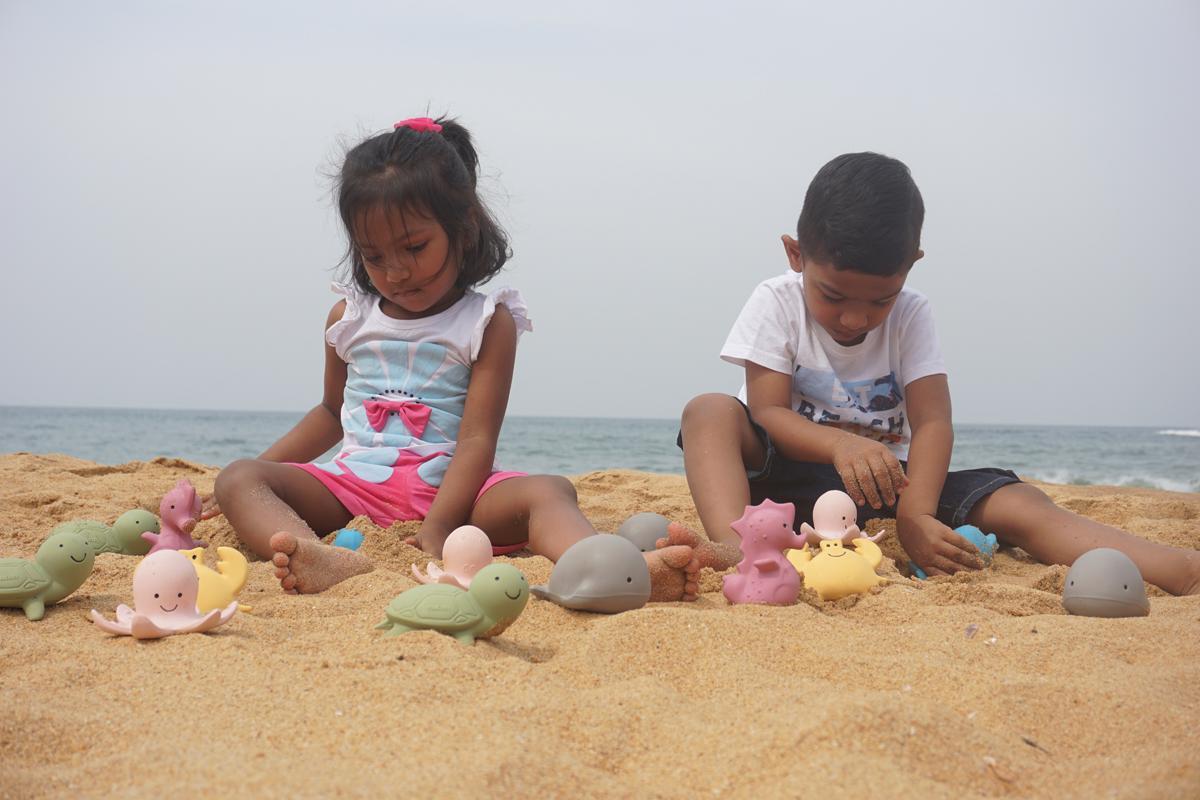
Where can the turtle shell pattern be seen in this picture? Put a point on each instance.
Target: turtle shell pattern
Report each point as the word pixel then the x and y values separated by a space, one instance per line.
pixel 19 579
pixel 435 605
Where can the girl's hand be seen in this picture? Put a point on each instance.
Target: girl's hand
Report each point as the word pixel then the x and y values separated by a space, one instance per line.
pixel 870 471
pixel 430 538
pixel 935 548
pixel 209 507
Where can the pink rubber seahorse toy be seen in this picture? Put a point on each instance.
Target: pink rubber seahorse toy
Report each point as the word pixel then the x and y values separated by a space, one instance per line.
pixel 179 512
pixel 764 575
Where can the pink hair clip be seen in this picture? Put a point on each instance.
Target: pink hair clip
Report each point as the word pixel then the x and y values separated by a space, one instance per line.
pixel 419 124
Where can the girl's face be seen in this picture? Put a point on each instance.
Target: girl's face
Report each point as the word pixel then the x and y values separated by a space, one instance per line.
pixel 410 261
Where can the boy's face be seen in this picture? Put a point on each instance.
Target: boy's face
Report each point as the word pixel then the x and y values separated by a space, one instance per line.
pixel 846 303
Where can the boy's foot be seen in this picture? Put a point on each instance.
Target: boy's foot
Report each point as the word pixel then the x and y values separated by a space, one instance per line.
pixel 674 574
pixel 305 566
pixel 717 555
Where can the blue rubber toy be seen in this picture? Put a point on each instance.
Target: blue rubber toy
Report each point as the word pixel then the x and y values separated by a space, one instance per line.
pixel 984 543
pixel 348 538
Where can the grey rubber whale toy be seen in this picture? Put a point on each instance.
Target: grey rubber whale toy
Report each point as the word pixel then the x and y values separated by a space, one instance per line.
pixel 603 573
pixel 644 529
pixel 1105 583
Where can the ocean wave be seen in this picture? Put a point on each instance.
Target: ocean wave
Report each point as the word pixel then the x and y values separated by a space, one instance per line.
pixel 1180 432
pixel 1066 476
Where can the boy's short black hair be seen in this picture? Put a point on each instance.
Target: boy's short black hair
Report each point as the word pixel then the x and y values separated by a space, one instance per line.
pixel 862 212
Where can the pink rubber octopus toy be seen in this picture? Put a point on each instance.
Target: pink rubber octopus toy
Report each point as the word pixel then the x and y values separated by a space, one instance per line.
pixel 836 517
pixel 180 511
pixel 466 551
pixel 165 587
pixel 764 575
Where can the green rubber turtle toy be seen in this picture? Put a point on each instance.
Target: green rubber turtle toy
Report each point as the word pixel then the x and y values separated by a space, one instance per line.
pixel 124 537
pixel 497 596
pixel 62 564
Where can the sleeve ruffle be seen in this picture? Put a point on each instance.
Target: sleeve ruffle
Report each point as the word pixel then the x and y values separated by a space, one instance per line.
pixel 510 299
pixel 340 331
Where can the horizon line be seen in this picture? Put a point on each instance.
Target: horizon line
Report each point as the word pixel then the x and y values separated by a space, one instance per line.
pixel 1167 426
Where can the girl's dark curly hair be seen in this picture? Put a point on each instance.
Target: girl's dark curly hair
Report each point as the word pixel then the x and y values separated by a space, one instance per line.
pixel 429 172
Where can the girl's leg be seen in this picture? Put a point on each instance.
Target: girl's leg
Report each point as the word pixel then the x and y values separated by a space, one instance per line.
pixel 544 510
pixel 1022 515
pixel 278 510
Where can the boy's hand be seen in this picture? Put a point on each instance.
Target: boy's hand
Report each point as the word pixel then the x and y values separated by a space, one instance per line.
pixel 430 538
pixel 869 470
pixel 209 507
pixel 935 548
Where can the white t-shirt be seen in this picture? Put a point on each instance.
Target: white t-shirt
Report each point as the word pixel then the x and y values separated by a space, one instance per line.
pixel 858 388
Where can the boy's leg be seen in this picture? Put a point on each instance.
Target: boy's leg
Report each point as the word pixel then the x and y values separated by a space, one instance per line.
pixel 277 510
pixel 718 444
pixel 1022 515
pixel 544 510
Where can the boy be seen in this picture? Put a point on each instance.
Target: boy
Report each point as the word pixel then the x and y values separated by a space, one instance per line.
pixel 846 389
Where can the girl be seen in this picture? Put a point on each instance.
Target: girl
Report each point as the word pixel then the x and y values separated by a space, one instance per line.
pixel 418 368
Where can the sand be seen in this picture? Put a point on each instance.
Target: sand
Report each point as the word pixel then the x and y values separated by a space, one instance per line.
pixel 881 695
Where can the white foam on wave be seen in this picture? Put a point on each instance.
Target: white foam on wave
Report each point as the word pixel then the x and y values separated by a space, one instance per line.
pixel 1180 432
pixel 1065 476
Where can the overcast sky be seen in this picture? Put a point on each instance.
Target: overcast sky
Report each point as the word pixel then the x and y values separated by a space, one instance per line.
pixel 168 237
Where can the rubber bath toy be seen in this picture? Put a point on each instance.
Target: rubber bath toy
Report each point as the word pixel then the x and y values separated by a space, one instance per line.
pixel 764 575
pixel 644 530
pixel 466 551
pixel 497 596
pixel 62 564
pixel 603 573
pixel 1105 583
pixel 124 537
pixel 348 538
pixel 180 511
pixel 836 517
pixel 837 572
pixel 220 587
pixel 165 587
pixel 986 544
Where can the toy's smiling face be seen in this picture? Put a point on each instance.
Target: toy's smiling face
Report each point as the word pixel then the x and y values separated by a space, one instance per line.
pixel 66 553
pixel 165 583
pixel 834 513
pixel 501 590
pixel 832 548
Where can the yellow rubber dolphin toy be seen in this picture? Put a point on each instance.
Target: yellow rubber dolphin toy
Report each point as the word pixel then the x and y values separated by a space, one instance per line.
pixel 218 589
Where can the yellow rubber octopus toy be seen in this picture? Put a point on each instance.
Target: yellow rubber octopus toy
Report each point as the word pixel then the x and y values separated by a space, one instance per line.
pixel 836 572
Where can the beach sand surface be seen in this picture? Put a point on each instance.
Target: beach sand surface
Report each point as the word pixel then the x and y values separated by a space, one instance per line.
pixel 974 686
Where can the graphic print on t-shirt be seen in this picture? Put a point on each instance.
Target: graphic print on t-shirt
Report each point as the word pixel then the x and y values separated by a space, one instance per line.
pixel 400 396
pixel 855 406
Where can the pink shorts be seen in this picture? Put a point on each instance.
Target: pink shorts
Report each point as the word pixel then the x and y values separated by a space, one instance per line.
pixel 403 497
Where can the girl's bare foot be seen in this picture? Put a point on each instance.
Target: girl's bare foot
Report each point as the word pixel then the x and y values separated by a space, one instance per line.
pixel 305 566
pixel 718 555
pixel 674 574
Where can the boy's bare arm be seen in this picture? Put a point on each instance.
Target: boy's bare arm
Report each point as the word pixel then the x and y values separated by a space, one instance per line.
pixel 933 546
pixel 870 471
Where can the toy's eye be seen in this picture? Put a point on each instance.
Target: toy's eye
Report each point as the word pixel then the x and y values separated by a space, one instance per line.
pixel 156 595
pixel 1125 587
pixel 1072 583
pixel 629 580
pixel 180 594
pixel 497 577
pixel 172 505
pixel 60 545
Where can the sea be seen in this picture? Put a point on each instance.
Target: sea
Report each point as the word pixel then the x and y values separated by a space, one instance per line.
pixel 1152 457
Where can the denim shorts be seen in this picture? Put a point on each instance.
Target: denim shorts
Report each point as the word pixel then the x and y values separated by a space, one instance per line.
pixel 801 483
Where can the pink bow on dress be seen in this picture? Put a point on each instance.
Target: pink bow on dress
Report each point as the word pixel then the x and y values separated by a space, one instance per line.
pixel 414 415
